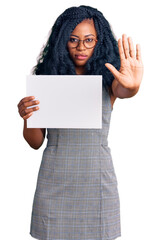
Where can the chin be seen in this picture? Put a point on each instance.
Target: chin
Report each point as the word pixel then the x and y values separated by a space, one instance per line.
pixel 80 63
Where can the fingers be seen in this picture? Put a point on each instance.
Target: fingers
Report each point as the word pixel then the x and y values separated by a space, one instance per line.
pixel 28 112
pixel 131 48
pixel 26 99
pixel 125 45
pixel 113 70
pixel 138 52
pixel 126 48
pixel 121 52
pixel 23 105
pixel 27 116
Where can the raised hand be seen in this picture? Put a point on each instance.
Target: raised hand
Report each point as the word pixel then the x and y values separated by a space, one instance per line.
pixel 25 112
pixel 131 71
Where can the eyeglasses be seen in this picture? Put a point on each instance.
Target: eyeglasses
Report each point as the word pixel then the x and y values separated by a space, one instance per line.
pixel 88 43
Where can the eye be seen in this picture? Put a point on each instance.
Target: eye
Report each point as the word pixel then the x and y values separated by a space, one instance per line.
pixel 73 40
pixel 89 40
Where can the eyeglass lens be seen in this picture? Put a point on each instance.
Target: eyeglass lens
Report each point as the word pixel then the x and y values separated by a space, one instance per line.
pixel 88 43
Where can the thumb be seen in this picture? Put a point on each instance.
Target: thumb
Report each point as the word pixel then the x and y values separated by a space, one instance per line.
pixel 113 70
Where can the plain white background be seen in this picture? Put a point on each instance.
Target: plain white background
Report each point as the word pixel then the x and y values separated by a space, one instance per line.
pixel 135 130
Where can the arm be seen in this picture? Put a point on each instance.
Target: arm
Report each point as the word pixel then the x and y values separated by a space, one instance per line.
pixel 127 80
pixel 34 136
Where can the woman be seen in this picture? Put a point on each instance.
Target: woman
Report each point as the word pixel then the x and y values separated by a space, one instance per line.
pixel 76 195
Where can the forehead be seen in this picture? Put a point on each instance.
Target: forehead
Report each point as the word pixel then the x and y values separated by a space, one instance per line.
pixel 85 27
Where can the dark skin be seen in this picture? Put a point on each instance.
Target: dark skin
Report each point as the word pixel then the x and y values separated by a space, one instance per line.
pixel 126 81
pixel 34 136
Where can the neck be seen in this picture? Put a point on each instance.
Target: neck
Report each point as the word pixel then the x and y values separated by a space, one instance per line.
pixel 80 70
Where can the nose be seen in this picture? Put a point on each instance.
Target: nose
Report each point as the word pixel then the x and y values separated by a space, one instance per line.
pixel 81 46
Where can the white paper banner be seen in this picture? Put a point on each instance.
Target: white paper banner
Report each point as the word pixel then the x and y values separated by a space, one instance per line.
pixel 66 101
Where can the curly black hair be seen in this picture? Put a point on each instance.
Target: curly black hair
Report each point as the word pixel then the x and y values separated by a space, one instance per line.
pixel 54 57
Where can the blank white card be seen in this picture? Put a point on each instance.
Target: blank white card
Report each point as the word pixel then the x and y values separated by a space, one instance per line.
pixel 66 101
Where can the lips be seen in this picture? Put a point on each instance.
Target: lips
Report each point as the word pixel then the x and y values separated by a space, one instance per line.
pixel 80 57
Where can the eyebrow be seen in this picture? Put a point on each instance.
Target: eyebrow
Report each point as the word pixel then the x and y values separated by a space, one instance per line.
pixel 85 35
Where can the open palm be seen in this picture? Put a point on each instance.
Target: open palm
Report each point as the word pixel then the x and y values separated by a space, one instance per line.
pixel 131 70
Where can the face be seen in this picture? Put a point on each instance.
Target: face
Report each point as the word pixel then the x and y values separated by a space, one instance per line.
pixel 81 54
